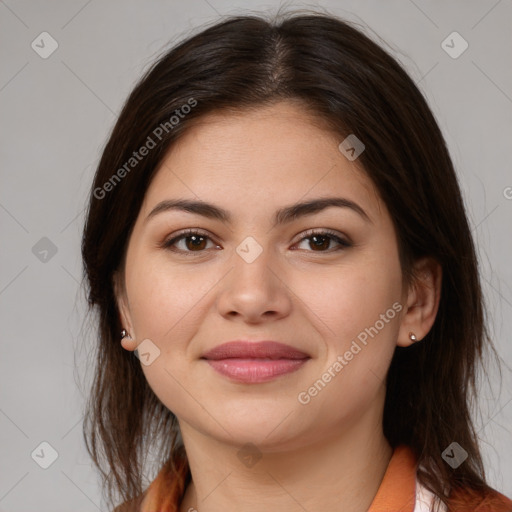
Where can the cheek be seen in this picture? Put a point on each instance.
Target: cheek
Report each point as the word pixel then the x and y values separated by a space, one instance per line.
pixel 358 319
pixel 356 308
pixel 165 298
pixel 167 305
pixel 345 300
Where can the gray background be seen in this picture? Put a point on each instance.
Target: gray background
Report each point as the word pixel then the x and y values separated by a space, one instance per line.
pixel 56 114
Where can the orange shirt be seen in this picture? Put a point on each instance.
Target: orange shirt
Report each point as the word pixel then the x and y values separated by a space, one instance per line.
pixel 399 491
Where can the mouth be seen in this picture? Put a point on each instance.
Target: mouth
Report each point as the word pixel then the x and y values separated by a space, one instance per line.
pixel 255 362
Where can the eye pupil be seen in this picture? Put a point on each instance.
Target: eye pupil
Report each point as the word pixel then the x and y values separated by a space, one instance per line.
pixel 196 241
pixel 321 245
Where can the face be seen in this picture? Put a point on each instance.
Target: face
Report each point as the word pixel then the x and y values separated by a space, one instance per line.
pixel 326 281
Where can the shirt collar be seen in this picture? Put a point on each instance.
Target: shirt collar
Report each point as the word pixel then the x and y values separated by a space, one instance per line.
pixel 397 491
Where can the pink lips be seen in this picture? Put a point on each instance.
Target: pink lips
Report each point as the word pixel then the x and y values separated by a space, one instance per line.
pixel 253 362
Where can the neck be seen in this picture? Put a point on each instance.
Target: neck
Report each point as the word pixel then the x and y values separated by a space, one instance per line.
pixel 338 472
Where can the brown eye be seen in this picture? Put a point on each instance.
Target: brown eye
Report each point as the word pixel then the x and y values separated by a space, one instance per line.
pixel 194 242
pixel 320 241
pixel 191 241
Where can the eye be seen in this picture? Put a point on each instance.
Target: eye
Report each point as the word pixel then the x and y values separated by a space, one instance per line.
pixel 321 239
pixel 193 241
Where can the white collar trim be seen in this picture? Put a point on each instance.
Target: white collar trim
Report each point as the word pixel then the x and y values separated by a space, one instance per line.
pixel 424 499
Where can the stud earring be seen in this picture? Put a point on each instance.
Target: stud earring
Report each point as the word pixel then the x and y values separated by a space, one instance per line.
pixel 124 333
pixel 412 337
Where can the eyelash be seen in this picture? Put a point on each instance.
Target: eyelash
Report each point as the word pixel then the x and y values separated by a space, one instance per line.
pixel 308 234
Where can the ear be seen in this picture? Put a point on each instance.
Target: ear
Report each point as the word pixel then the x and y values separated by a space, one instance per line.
pixel 423 298
pixel 127 342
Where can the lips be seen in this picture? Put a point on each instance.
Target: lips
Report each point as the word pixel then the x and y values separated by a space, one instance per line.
pixel 255 362
pixel 254 350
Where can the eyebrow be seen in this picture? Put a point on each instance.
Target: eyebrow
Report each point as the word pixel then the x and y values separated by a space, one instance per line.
pixel 282 216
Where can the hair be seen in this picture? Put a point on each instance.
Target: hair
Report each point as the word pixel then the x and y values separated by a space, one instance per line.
pixel 351 85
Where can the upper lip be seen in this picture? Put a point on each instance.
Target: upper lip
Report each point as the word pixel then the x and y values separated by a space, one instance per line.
pixel 254 350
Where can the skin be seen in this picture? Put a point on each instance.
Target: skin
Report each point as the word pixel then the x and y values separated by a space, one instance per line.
pixel 329 454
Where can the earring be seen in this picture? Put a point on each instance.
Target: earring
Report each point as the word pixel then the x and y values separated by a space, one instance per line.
pixel 412 337
pixel 124 333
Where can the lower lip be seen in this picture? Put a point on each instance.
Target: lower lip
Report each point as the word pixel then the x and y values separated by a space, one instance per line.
pixel 255 370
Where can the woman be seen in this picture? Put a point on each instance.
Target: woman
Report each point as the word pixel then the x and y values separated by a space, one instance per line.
pixel 288 299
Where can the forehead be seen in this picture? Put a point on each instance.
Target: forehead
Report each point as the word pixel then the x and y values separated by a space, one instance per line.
pixel 275 153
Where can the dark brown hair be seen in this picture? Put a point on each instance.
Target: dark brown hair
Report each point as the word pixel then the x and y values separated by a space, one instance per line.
pixel 344 79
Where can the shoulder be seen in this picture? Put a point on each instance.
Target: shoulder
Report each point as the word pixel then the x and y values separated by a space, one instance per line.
pixel 463 500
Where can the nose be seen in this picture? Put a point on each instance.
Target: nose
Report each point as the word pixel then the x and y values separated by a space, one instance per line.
pixel 256 291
